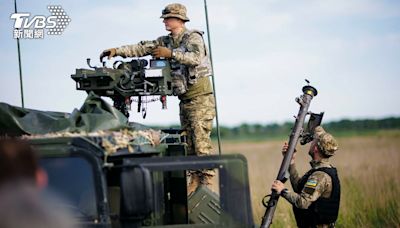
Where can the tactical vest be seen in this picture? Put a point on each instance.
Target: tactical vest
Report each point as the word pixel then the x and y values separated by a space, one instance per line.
pixel 184 75
pixel 323 210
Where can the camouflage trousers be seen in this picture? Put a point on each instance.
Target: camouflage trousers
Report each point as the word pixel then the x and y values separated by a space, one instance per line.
pixel 196 117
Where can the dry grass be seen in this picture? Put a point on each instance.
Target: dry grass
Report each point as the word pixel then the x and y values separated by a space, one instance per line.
pixel 368 167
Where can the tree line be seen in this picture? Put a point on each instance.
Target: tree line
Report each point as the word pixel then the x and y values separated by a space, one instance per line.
pixel 341 127
pixel 274 130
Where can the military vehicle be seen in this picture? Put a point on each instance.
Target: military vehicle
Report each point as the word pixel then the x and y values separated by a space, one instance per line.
pixel 146 187
pixel 112 173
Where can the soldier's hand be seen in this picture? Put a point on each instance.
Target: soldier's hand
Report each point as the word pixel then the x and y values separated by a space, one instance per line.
pixel 159 52
pixel 109 53
pixel 278 186
pixel 285 149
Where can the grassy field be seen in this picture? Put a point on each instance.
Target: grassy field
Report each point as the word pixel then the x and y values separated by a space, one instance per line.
pixel 368 166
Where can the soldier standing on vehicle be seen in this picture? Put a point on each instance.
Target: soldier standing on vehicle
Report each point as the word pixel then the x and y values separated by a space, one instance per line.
pixel 316 195
pixel 190 66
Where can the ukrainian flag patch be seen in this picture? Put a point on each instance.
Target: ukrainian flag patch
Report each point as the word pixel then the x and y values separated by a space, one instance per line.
pixel 311 183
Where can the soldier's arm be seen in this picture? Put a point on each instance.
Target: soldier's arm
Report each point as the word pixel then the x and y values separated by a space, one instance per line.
pixel 294 177
pixel 195 51
pixel 315 186
pixel 143 48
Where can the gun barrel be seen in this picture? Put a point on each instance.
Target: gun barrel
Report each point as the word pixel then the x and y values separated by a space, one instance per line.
pixel 304 101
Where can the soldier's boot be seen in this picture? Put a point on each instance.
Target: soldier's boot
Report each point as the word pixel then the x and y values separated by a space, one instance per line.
pixel 194 182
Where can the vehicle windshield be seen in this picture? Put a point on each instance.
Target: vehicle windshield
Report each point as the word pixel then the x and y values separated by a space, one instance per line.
pixel 72 179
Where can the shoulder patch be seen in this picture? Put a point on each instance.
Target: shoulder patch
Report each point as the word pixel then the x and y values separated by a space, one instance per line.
pixel 311 183
pixel 309 190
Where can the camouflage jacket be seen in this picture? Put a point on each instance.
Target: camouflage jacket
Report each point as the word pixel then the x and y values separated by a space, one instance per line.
pixel 190 59
pixel 195 46
pixel 319 184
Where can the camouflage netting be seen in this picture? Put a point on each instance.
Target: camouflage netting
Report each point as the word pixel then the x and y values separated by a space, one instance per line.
pixel 96 118
pixel 112 141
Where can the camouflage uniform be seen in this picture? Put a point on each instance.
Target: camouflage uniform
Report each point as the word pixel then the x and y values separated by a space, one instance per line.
pixel 319 183
pixel 190 82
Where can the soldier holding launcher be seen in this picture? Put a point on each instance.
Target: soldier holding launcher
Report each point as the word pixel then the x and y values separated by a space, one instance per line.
pixel 316 195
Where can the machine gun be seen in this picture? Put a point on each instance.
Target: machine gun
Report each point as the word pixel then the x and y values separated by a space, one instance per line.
pixel 127 79
pixel 298 132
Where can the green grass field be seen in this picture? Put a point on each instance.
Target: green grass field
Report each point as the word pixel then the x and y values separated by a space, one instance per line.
pixel 368 167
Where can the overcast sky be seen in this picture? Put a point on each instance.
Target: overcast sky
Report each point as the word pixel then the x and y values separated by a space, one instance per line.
pixel 262 49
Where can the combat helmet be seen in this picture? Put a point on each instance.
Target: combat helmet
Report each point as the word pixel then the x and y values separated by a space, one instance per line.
pixel 326 143
pixel 175 10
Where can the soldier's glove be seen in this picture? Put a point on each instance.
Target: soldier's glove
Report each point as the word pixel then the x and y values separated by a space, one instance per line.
pixel 108 52
pixel 161 52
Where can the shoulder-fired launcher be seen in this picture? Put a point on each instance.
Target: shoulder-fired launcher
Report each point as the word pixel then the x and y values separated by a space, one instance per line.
pixel 298 133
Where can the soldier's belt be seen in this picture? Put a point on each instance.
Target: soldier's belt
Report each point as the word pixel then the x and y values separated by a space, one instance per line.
pixel 185 101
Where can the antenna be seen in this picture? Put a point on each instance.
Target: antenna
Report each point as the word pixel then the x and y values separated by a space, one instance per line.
pixel 19 64
pixel 212 78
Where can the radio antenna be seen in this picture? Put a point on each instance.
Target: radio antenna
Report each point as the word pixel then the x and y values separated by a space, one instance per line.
pixel 19 64
pixel 212 78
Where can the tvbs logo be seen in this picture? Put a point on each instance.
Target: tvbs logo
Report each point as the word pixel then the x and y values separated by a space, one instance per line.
pixel 27 27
